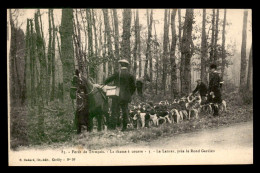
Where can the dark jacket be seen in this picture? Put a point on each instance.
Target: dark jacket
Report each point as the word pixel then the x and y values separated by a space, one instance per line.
pixel 214 86
pixel 202 88
pixel 126 82
pixel 77 83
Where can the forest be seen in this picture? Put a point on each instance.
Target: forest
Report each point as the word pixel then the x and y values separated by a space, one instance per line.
pixel 168 48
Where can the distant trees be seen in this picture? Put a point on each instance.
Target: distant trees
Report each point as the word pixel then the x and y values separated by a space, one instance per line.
pixel 94 40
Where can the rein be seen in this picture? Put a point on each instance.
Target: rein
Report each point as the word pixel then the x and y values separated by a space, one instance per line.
pixel 93 90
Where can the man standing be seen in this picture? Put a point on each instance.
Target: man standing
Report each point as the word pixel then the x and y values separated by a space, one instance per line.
pixel 202 89
pixel 126 82
pixel 78 91
pixel 214 88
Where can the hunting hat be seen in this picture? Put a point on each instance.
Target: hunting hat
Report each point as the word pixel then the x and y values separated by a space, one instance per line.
pixel 213 66
pixel 123 61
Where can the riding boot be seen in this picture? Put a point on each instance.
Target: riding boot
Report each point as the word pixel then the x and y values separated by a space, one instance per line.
pixel 124 107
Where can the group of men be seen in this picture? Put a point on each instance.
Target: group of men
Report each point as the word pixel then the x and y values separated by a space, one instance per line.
pixel 127 84
pixel 212 93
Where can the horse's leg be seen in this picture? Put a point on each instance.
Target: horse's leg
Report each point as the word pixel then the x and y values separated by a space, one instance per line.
pixel 77 124
pixel 90 123
pixel 99 119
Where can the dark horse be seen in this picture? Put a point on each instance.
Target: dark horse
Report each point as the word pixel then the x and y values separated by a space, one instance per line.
pixel 91 104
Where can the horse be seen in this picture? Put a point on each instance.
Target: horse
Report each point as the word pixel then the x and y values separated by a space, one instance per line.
pixel 91 104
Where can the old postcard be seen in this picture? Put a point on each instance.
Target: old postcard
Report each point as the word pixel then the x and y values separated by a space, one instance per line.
pixel 117 87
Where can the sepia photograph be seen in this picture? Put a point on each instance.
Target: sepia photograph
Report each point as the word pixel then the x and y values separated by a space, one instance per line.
pixel 129 87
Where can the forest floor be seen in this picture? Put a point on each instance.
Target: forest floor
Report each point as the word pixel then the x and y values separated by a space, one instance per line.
pixel 59 128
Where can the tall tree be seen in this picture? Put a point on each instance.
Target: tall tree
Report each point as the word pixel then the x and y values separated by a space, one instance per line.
pixel 203 73
pixel 157 60
pixel 117 54
pixel 77 43
pixel 135 44
pixel 165 50
pixel 243 52
pixel 172 56
pixel 33 93
pixel 223 44
pixel 26 70
pixel 148 49
pixel 49 54
pixel 91 64
pixel 109 42
pixel 15 82
pixel 187 50
pixel 43 64
pixel 250 72
pixel 212 36
pixel 67 52
pixel 139 44
pixel 179 47
pixel 53 59
pixel 215 58
pixel 43 73
pixel 96 40
pixel 125 48
pixel 150 52
pixel 180 28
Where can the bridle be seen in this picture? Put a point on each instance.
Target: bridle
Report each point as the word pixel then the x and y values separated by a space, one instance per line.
pixel 93 90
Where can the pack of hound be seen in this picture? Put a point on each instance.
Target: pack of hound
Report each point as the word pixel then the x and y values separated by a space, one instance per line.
pixel 186 108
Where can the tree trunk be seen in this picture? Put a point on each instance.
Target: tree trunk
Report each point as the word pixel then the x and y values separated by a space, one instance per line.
pixel 165 50
pixel 48 91
pixel 61 96
pixel 148 48
pixel 187 50
pixel 212 37
pixel 26 71
pixel 53 59
pixel 33 94
pixel 157 61
pixel 243 53
pixel 117 55
pixel 150 52
pixel 139 44
pixel 180 41
pixel 250 72
pixel 135 45
pixel 109 42
pixel 204 57
pixel 43 64
pixel 66 33
pixel 216 39
pixel 92 71
pixel 223 45
pixel 172 56
pixel 43 73
pixel 126 49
